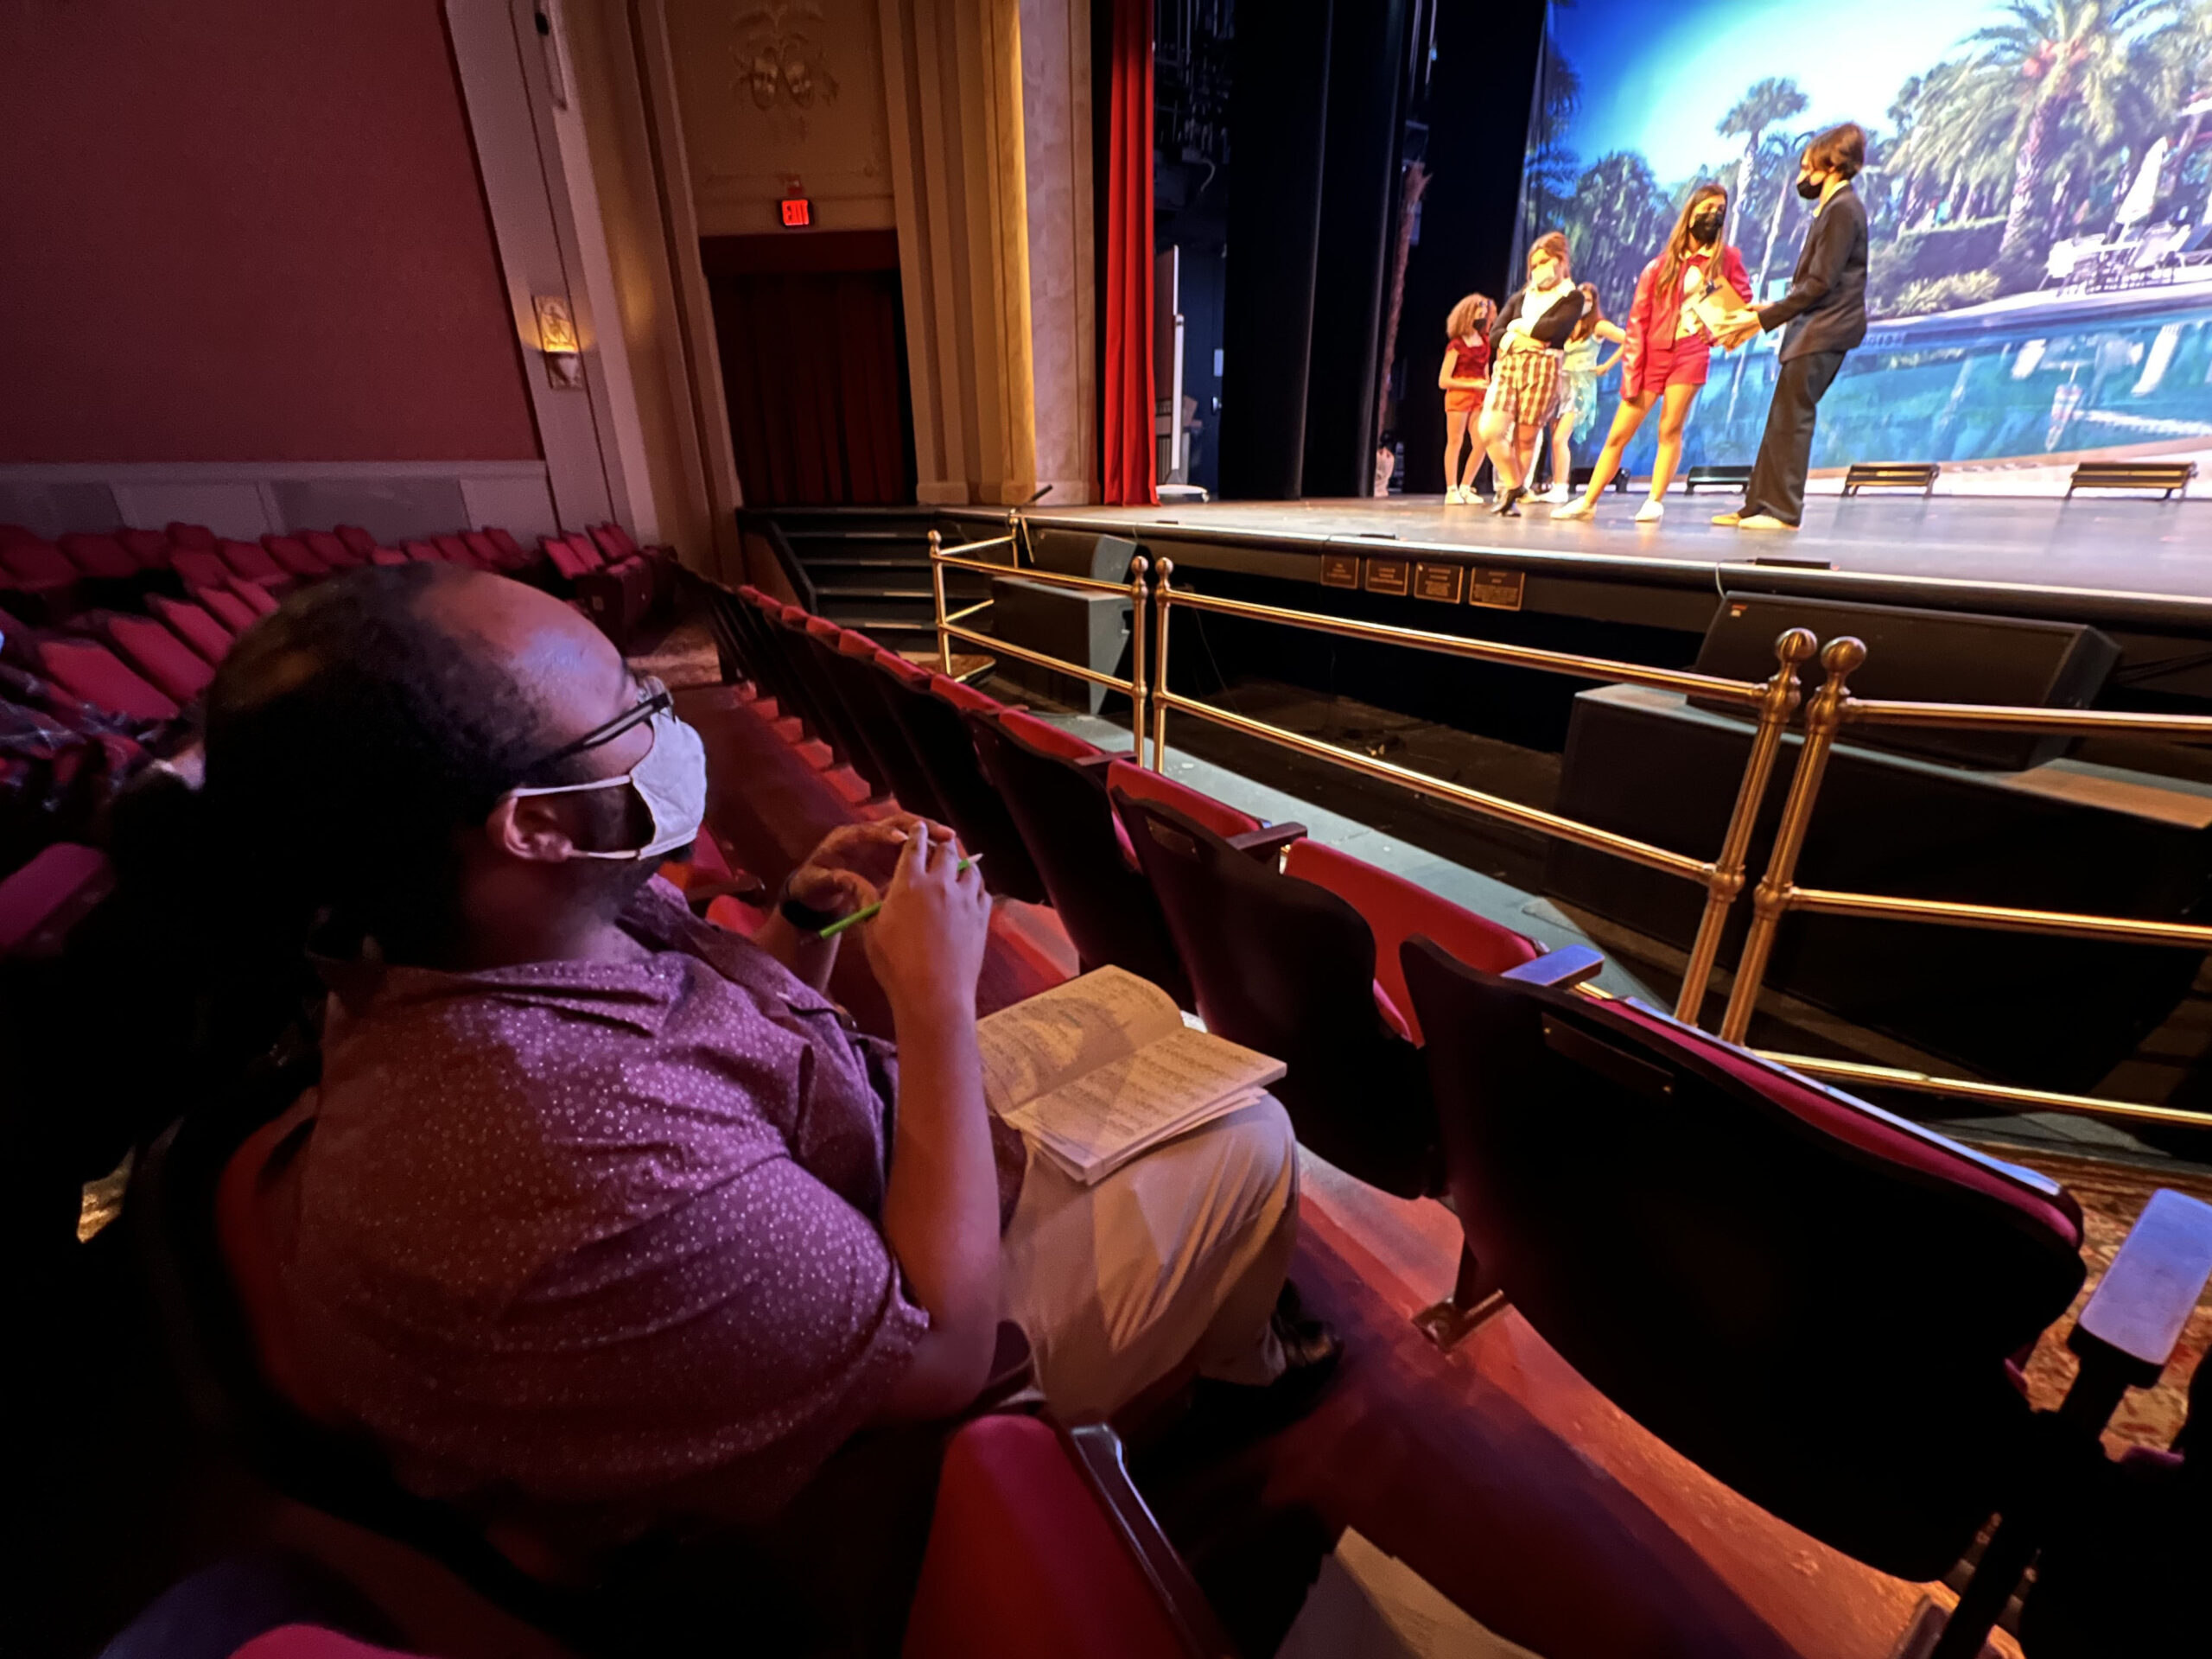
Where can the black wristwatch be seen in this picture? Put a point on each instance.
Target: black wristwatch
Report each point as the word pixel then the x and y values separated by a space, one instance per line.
pixel 800 915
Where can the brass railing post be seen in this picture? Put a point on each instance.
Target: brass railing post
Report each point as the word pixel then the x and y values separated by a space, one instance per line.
pixel 1162 597
pixel 1137 688
pixel 1013 536
pixel 1792 650
pixel 936 595
pixel 1823 717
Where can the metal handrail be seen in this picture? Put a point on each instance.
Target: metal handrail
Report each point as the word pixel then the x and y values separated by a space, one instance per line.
pixel 1722 875
pixel 949 629
pixel 1826 713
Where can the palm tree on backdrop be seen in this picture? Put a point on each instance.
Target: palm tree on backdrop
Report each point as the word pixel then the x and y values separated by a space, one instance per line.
pixel 1775 99
pixel 1782 152
pixel 2053 60
pixel 1617 211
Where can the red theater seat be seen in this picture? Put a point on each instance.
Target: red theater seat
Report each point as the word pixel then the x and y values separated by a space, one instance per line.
pixel 200 567
pixel 1691 1228
pixel 357 538
pixel 154 652
pixel 198 537
pixel 93 672
pixel 149 547
pixel 251 561
pixel 227 607
pixel 1054 784
pixel 254 593
pixel 41 901
pixel 98 556
pixel 195 625
pixel 39 566
pixel 424 552
pixel 10 534
pixel 1396 910
pixel 1031 1555
pixel 332 549
pixel 295 557
pixel 506 543
pixel 486 552
pixel 389 556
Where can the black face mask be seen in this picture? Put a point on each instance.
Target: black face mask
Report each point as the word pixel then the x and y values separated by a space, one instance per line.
pixel 1706 228
pixel 1808 189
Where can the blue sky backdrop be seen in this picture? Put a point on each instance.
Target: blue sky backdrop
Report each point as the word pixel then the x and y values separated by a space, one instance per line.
pixel 1656 77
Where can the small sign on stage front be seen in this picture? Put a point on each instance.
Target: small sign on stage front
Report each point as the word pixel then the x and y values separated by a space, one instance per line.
pixel 1340 570
pixel 1388 575
pixel 1440 582
pixel 1500 590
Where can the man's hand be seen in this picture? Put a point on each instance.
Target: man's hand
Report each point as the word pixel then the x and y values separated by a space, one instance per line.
pixel 927 944
pixel 853 864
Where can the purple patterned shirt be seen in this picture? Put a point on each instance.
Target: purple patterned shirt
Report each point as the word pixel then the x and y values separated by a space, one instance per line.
pixel 593 1233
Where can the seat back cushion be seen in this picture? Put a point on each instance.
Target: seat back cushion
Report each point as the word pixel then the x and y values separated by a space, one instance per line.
pixel 1700 1235
pixel 1128 777
pixel 98 556
pixel 200 567
pixel 253 594
pixel 296 557
pixel 96 674
pixel 149 547
pixel 1024 1561
pixel 227 607
pixel 251 561
pixel 198 537
pixel 1395 910
pixel 332 549
pixel 38 564
pixel 194 624
pixel 357 538
pixel 162 657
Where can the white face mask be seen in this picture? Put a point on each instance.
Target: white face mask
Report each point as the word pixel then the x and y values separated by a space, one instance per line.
pixel 671 780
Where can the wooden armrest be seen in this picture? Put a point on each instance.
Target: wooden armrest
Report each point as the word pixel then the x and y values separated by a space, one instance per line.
pixel 1268 840
pixel 1562 969
pixel 2136 1316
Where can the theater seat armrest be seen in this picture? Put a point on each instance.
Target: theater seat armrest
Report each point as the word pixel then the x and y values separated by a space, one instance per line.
pixel 2133 1322
pixel 1562 969
pixel 1098 1451
pixel 1099 762
pixel 1268 840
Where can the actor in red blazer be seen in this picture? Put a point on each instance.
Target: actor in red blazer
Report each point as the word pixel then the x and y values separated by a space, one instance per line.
pixel 1671 344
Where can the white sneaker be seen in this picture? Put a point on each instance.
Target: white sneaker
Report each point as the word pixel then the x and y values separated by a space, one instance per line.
pixel 1455 497
pixel 1650 512
pixel 1558 496
pixel 1581 509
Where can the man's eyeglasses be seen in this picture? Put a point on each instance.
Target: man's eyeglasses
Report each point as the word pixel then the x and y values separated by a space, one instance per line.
pixel 653 698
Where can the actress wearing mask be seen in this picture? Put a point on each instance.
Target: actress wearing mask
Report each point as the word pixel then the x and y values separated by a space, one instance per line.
pixel 1670 343
pixel 1527 339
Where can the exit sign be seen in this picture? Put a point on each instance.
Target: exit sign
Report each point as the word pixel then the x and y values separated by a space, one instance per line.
pixel 799 212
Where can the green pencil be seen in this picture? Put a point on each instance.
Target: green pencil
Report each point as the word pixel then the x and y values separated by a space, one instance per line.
pixel 866 911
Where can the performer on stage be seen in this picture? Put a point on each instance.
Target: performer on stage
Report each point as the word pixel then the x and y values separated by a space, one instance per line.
pixel 1463 379
pixel 1825 311
pixel 1579 370
pixel 1526 339
pixel 1671 344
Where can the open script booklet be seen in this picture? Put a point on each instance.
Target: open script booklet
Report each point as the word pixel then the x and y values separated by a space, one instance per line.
pixel 1098 1070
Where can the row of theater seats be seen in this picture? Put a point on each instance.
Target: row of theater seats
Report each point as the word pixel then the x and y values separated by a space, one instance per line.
pixel 107 639
pixel 1690 1226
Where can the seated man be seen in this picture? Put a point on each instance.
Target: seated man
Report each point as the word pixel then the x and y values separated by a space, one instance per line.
pixel 608 1211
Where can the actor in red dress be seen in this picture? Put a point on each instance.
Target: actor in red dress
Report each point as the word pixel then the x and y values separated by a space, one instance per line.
pixel 1670 344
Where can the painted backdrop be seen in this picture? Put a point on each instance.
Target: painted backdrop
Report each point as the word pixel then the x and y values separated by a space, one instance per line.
pixel 2038 187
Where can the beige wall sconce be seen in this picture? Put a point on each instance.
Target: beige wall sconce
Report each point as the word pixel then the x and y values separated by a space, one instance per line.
pixel 556 338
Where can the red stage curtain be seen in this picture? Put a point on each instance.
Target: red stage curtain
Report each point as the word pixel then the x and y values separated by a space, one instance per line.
pixel 1126 476
pixel 813 370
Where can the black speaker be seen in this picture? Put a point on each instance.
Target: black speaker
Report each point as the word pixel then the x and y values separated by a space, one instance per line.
pixel 1915 655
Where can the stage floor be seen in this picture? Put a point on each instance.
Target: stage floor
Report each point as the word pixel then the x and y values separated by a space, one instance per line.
pixel 2143 562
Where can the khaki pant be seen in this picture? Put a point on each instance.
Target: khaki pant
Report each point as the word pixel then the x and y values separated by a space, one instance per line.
pixel 1177 1256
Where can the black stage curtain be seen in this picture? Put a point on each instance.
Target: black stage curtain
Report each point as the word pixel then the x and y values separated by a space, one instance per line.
pixel 814 367
pixel 1485 74
pixel 1278 115
pixel 1359 190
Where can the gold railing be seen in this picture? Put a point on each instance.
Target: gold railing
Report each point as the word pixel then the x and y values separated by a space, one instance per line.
pixel 1827 712
pixel 949 624
pixel 1772 701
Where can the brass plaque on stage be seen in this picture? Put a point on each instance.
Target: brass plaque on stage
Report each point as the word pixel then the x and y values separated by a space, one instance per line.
pixel 1388 575
pixel 1440 582
pixel 1501 590
pixel 1340 570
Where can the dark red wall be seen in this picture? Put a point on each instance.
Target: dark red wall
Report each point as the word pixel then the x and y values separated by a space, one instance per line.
pixel 245 230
